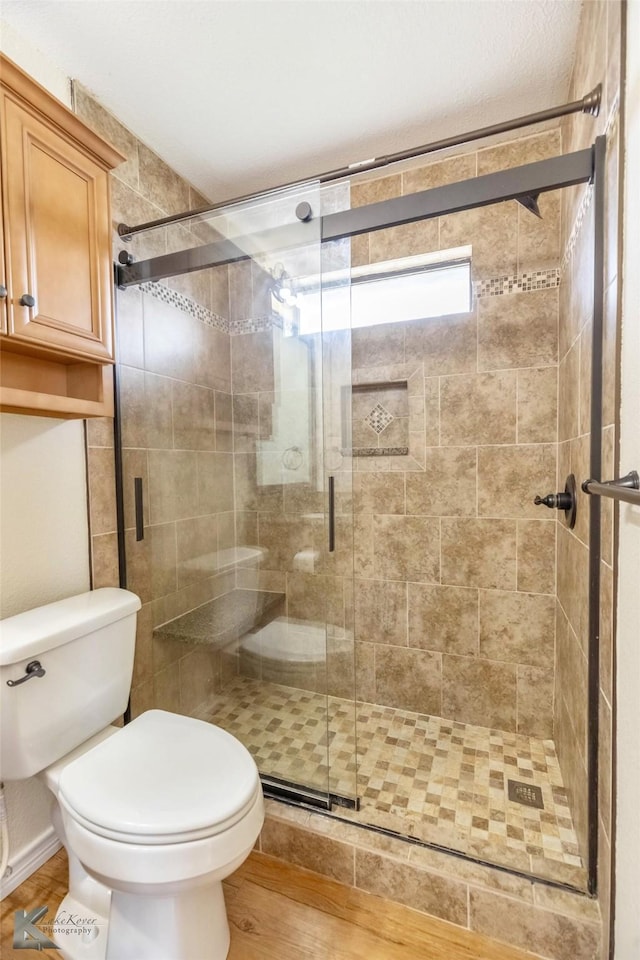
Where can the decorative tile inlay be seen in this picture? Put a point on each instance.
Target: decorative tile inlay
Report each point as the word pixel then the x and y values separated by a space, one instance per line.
pixel 254 325
pixel 585 203
pixel 378 418
pixel 185 304
pixel 437 780
pixel 517 283
pixel 377 452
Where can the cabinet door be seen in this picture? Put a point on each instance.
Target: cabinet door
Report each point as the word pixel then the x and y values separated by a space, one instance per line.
pixel 3 274
pixel 58 244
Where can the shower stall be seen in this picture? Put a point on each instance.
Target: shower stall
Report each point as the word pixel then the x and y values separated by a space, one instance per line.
pixel 337 404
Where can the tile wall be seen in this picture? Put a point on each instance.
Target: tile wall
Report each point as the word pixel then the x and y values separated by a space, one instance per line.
pixel 175 386
pixel 455 566
pixel 548 922
pixel 597 61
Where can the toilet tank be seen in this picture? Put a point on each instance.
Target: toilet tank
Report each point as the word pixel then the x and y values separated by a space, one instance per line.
pixel 85 645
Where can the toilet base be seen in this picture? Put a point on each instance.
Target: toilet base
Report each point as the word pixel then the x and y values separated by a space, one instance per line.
pixel 79 932
pixel 189 925
pixel 146 928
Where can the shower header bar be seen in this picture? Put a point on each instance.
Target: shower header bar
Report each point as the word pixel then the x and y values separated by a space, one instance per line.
pixel 543 175
pixel 589 104
pixel 626 488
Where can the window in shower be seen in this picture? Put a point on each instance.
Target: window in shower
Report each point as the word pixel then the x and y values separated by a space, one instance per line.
pixel 392 291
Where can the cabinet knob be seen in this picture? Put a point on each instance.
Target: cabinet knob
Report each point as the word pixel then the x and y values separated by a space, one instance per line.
pixel 3 292
pixel 26 300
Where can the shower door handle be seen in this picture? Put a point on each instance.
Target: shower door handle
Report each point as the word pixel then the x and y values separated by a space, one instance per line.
pixel 332 515
pixel 139 507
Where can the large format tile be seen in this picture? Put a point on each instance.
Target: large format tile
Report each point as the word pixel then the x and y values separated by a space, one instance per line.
pixel 406 240
pixel 517 627
pixel 378 346
pixel 408 679
pixel 479 553
pixel 549 934
pixel 404 883
pixel 518 330
pixel 478 409
pixel 536 556
pixel 447 486
pixel 379 492
pixel 493 234
pixel 252 362
pixel 173 485
pixel 535 700
pixel 538 405
pixel 322 854
pixel 194 422
pixel 510 477
pixel 381 611
pixel 406 548
pixel 478 691
pixel 516 153
pixel 539 240
pixel 443 618
pixel 160 184
pixel 444 345
pixel 439 173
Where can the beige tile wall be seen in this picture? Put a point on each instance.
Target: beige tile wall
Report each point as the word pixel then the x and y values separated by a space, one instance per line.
pixel 455 566
pixel 597 60
pixel 175 387
pixel 546 921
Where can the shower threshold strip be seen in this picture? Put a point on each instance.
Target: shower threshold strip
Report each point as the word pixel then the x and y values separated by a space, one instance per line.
pixel 296 793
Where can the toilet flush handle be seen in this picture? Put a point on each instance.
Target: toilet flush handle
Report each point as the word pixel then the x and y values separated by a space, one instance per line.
pixel 33 669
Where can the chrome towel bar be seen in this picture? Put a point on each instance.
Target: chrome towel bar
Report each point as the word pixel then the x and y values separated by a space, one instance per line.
pixel 626 488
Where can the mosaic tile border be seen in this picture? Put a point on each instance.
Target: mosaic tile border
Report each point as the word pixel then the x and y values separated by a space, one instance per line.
pixel 611 127
pixel 239 328
pixel 185 304
pixel 585 203
pixel 378 452
pixel 517 283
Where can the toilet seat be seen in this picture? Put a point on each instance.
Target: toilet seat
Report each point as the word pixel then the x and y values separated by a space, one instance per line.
pixel 162 779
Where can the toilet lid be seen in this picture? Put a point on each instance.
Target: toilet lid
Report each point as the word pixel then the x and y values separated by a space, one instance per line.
pixel 162 778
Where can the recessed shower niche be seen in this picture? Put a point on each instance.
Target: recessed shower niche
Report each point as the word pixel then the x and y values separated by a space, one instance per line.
pixel 380 419
pixel 420 655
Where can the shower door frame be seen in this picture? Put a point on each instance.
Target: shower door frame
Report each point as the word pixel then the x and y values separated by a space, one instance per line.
pixel 581 167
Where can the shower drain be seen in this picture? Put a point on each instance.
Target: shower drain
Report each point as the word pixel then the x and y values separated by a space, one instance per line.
pixel 525 793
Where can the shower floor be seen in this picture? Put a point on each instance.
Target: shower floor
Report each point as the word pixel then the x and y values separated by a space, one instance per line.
pixel 435 780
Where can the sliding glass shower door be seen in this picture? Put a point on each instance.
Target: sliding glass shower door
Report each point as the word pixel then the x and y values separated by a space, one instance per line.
pixel 236 485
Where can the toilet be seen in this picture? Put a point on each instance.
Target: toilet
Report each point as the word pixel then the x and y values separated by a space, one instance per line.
pixel 154 815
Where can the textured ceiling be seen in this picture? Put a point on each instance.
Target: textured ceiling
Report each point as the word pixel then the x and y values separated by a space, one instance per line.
pixel 241 95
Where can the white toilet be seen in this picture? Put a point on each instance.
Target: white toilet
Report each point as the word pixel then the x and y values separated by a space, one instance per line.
pixel 154 815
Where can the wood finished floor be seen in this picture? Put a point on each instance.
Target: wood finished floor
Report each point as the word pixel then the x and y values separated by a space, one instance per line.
pixel 280 912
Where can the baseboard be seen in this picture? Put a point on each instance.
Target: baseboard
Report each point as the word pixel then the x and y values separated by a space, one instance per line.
pixel 29 860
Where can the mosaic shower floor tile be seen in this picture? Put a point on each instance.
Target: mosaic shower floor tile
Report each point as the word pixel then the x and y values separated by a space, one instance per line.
pixel 438 781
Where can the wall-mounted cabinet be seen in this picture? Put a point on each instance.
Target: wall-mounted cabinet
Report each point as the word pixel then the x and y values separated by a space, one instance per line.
pixel 56 324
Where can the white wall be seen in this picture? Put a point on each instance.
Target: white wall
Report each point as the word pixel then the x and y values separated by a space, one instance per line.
pixel 44 546
pixel 627 926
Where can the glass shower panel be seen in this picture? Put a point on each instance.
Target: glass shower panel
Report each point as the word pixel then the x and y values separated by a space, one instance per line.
pixel 339 583
pixel 223 424
pixel 471 708
pixel 280 496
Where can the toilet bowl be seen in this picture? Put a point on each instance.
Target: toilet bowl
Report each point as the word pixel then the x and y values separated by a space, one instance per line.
pixel 154 815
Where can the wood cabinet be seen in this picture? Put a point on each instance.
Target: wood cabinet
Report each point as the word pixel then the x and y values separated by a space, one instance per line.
pixel 56 327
